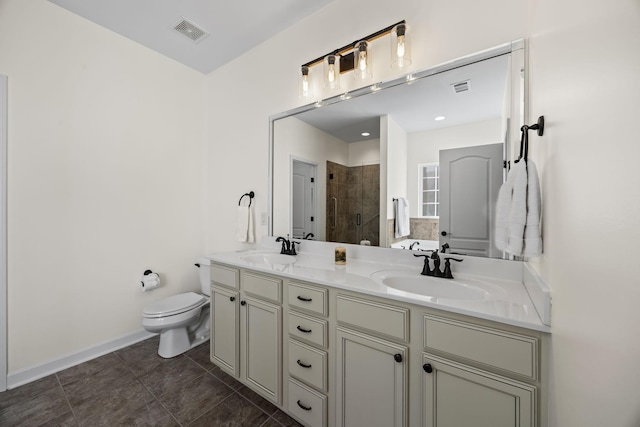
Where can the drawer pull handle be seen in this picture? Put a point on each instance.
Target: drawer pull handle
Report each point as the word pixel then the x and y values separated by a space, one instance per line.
pixel 232 299
pixel 304 299
pixel 397 357
pixel 302 364
pixel 306 331
pixel 306 408
pixel 427 368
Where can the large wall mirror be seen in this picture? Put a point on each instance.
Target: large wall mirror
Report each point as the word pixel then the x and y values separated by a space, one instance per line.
pixel 438 141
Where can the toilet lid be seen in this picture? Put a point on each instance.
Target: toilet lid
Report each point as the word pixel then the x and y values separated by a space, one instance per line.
pixel 173 304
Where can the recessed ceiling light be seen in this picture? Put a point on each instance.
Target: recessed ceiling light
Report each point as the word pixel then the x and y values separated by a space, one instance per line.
pixel 440 118
pixel 365 134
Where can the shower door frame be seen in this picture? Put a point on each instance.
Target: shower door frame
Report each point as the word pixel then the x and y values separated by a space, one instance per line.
pixel 3 231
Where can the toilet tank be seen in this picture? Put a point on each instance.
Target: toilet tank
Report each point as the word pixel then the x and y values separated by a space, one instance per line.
pixel 205 275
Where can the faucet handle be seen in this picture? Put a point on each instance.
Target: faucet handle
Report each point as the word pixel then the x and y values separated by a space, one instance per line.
pixel 447 267
pixel 293 247
pixel 426 269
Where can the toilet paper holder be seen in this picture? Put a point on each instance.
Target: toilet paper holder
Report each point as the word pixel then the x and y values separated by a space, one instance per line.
pixel 150 280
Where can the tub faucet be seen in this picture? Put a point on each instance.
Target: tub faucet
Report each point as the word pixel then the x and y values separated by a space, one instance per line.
pixel 308 236
pixel 416 243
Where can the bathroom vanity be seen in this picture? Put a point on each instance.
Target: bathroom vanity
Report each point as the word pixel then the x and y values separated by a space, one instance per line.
pixel 374 343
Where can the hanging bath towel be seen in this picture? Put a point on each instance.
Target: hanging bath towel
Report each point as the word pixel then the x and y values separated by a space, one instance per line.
pixel 245 231
pixel 532 246
pixel 402 217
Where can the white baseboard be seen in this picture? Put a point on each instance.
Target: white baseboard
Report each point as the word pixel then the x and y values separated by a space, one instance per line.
pixel 27 375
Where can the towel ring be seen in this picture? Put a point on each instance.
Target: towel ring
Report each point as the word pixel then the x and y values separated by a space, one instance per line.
pixel 251 195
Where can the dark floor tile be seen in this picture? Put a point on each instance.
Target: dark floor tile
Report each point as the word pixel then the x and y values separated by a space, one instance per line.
pixel 126 402
pixel 36 411
pixel 234 411
pixel 96 383
pixel 172 375
pixel 87 369
pixel 201 355
pixel 139 351
pixel 262 403
pixel 64 420
pixel 28 391
pixel 192 400
pixel 285 420
pixel 226 378
pixel 150 363
pixel 152 414
pixel 271 423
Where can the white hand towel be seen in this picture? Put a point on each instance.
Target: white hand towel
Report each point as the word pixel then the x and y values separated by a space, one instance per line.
pixel 250 231
pixel 518 209
pixel 402 217
pixel 532 246
pixel 503 206
pixel 243 223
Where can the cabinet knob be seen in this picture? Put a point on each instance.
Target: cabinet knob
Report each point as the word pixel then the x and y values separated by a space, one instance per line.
pixel 427 368
pixel 444 233
pixel 306 408
pixel 397 357
pixel 232 299
pixel 243 303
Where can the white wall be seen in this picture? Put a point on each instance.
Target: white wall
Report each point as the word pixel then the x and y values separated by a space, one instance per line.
pixel 296 138
pixel 364 152
pixel 105 179
pixel 584 67
pixel 424 147
pixel 396 164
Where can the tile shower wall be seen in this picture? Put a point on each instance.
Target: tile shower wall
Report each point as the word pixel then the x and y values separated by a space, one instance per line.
pixel 421 228
pixel 352 191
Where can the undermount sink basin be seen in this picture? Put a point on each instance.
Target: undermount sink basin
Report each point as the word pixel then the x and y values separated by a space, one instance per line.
pixel 435 287
pixel 269 259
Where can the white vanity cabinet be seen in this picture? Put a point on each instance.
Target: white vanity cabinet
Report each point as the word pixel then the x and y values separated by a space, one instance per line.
pixel 246 328
pixel 307 353
pixel 371 363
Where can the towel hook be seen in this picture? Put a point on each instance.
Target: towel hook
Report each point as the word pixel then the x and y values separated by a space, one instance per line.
pixel 251 195
pixel 524 140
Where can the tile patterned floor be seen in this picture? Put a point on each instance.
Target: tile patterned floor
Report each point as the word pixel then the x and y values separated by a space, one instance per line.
pixel 136 387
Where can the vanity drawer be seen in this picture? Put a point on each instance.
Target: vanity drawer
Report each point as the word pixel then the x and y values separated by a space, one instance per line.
pixel 308 364
pixel 309 298
pixel 308 328
pixel 225 276
pixel 376 317
pixel 503 350
pixel 263 287
pixel 307 405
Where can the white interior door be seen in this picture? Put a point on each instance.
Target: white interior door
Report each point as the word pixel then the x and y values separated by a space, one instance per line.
pixel 303 203
pixel 470 179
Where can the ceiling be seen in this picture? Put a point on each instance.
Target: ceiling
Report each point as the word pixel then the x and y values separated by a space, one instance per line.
pixel 233 27
pixel 415 106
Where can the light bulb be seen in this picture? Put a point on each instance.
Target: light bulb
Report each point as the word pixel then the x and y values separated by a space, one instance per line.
pixel 332 73
pixel 362 61
pixel 305 86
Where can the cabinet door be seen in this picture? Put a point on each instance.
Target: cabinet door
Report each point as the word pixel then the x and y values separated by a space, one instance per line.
pixel 371 381
pixel 262 347
pixel 225 328
pixel 457 395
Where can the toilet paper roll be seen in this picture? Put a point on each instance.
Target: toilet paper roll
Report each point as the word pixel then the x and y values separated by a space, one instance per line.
pixel 149 282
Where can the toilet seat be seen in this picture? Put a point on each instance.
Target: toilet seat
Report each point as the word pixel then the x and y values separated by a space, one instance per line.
pixel 173 305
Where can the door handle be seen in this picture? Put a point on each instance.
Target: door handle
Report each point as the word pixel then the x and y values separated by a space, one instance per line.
pixel 358 219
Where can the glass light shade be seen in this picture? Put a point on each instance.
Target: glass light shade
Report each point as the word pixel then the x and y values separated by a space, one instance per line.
pixel 331 71
pixel 400 47
pixel 305 88
pixel 362 65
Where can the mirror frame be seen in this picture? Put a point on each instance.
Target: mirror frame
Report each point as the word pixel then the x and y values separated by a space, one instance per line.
pixel 519 109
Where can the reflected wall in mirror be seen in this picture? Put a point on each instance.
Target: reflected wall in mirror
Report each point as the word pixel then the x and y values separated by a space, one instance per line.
pixel 438 138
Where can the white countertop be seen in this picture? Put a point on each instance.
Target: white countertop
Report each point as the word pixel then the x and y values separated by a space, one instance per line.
pixel 501 296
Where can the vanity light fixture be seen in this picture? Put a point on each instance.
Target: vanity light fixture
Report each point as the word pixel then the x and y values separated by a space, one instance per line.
pixel 355 57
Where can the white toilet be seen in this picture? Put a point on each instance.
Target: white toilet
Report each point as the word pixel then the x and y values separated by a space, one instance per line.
pixel 181 320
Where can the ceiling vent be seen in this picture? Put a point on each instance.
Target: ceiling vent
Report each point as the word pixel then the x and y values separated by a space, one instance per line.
pixel 461 86
pixel 189 29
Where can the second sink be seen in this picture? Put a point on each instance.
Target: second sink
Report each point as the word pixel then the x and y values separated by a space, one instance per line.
pixel 429 286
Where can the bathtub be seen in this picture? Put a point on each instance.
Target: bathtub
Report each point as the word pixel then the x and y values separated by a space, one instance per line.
pixel 424 244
